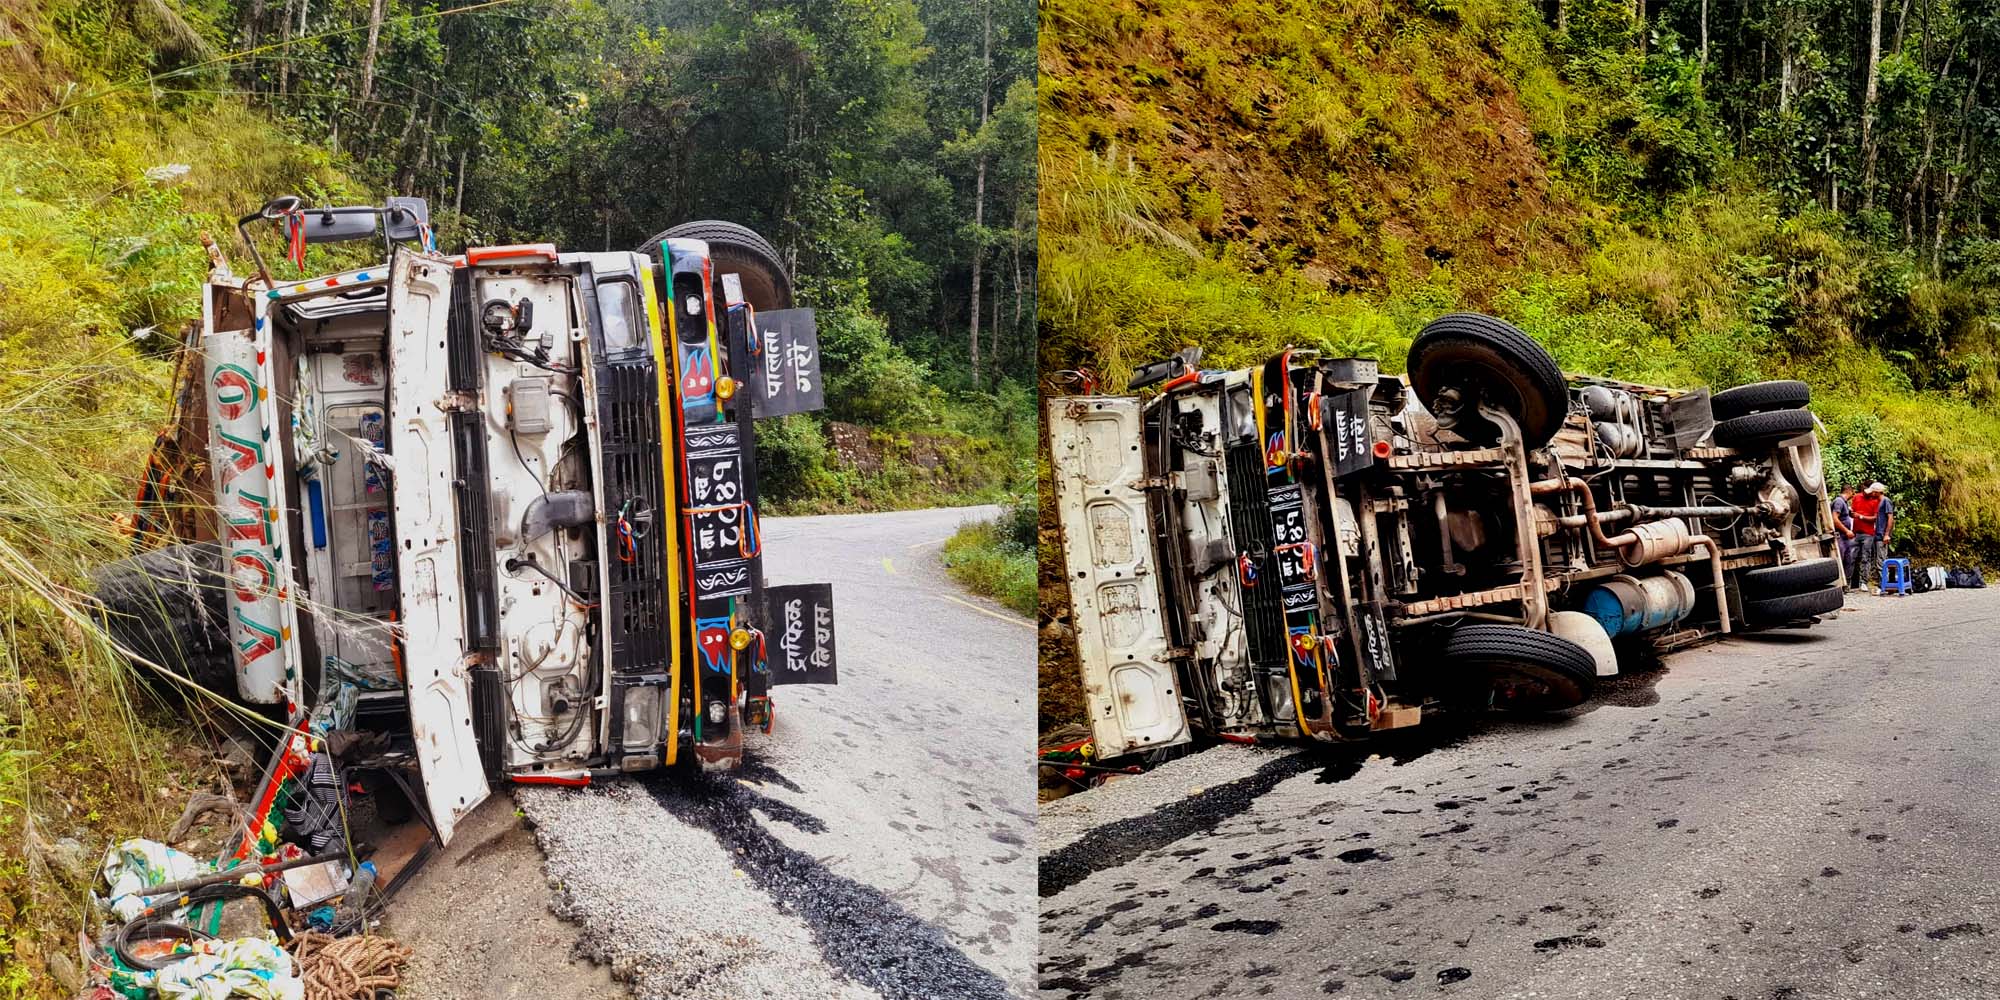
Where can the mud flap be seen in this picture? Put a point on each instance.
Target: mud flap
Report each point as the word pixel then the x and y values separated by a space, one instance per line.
pixel 1131 689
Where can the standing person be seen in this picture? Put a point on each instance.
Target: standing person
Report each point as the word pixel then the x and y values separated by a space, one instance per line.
pixel 1843 522
pixel 1870 518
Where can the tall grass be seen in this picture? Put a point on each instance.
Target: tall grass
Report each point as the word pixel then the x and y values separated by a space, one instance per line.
pixel 100 273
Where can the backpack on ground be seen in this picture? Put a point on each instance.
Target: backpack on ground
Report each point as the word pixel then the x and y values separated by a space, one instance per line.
pixel 1920 579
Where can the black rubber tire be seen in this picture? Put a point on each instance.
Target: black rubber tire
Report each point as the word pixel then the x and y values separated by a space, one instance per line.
pixel 1531 670
pixel 1763 429
pixel 1509 370
pixel 1760 397
pixel 1794 607
pixel 1791 578
pixel 169 605
pixel 738 250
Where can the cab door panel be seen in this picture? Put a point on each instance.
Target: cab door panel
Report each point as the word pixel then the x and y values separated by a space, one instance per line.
pixel 1130 686
pixel 437 671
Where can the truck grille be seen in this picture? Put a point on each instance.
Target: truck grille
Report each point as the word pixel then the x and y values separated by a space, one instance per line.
pixel 1250 527
pixel 633 479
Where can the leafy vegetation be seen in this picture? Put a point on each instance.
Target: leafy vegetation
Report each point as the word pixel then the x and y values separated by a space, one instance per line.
pixel 1673 192
pixel 1649 200
pixel 881 144
pixel 997 558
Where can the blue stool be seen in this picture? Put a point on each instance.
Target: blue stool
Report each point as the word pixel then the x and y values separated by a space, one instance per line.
pixel 1896 575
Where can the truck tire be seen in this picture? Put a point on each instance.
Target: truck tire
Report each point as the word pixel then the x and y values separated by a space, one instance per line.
pixel 1483 356
pixel 1789 579
pixel 1794 607
pixel 167 605
pixel 1531 670
pixel 1762 429
pixel 1760 397
pixel 737 250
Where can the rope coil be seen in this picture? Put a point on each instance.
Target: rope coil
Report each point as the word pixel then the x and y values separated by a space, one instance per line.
pixel 348 968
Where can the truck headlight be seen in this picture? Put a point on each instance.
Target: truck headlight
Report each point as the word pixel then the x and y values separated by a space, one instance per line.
pixel 644 708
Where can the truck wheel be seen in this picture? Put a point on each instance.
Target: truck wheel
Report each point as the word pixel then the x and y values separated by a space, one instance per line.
pixel 1760 397
pixel 167 605
pixel 1483 359
pixel 1762 429
pixel 1791 578
pixel 1795 607
pixel 1531 670
pixel 737 250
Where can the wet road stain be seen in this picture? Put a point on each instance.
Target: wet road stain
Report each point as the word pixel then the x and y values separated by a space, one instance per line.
pixel 1258 927
pixel 1947 933
pixel 1360 854
pixel 1568 941
pixel 1115 844
pixel 859 930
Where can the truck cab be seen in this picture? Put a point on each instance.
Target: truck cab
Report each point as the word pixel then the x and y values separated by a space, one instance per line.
pixel 499 508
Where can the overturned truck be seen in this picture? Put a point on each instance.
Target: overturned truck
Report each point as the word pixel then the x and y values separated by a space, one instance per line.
pixel 1311 549
pixel 494 513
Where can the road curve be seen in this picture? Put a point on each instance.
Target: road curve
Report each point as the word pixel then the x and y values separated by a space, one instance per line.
pixel 1791 814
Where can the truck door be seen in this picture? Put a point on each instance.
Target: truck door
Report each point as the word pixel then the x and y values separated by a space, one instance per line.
pixel 1130 687
pixel 435 654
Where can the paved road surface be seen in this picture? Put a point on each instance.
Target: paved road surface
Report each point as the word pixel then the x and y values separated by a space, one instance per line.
pixel 878 845
pixel 1792 816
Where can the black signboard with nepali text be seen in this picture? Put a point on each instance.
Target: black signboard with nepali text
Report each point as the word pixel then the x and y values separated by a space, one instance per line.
pixel 799 619
pixel 785 376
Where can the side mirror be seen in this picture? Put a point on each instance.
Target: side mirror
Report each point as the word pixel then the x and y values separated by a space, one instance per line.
pixel 405 219
pixel 338 225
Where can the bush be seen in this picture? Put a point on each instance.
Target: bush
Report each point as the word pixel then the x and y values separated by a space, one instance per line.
pixel 870 380
pixel 791 457
pixel 1019 522
pixel 986 561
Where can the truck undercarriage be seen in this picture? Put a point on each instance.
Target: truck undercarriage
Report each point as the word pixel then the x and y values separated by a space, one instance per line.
pixel 1310 549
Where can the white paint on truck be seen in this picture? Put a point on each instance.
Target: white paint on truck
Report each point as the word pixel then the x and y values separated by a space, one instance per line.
pixel 1131 693
pixel 427 541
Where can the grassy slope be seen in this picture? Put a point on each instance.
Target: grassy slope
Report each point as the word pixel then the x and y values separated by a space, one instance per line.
pixel 92 254
pixel 983 560
pixel 1248 174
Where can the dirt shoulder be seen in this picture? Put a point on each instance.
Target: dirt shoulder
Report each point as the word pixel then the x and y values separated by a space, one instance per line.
pixel 478 917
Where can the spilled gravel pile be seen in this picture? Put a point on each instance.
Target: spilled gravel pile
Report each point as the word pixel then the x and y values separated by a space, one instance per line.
pixel 669 909
pixel 857 928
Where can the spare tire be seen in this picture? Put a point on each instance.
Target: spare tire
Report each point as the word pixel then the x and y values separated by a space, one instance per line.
pixel 1488 360
pixel 1763 429
pixel 737 250
pixel 1791 578
pixel 168 605
pixel 1795 607
pixel 1530 670
pixel 1760 397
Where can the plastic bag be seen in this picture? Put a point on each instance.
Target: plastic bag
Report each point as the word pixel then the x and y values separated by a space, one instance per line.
pixel 136 865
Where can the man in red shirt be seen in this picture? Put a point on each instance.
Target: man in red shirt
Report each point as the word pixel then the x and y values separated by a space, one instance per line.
pixel 1874 516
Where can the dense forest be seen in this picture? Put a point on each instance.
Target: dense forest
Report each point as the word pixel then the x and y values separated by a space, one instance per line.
pixel 885 146
pixel 1683 192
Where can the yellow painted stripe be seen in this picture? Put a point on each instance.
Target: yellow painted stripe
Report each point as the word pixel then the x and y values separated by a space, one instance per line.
pixel 670 472
pixel 1009 619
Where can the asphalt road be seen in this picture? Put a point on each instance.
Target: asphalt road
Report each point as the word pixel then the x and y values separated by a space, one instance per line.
pixel 1793 815
pixel 877 843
